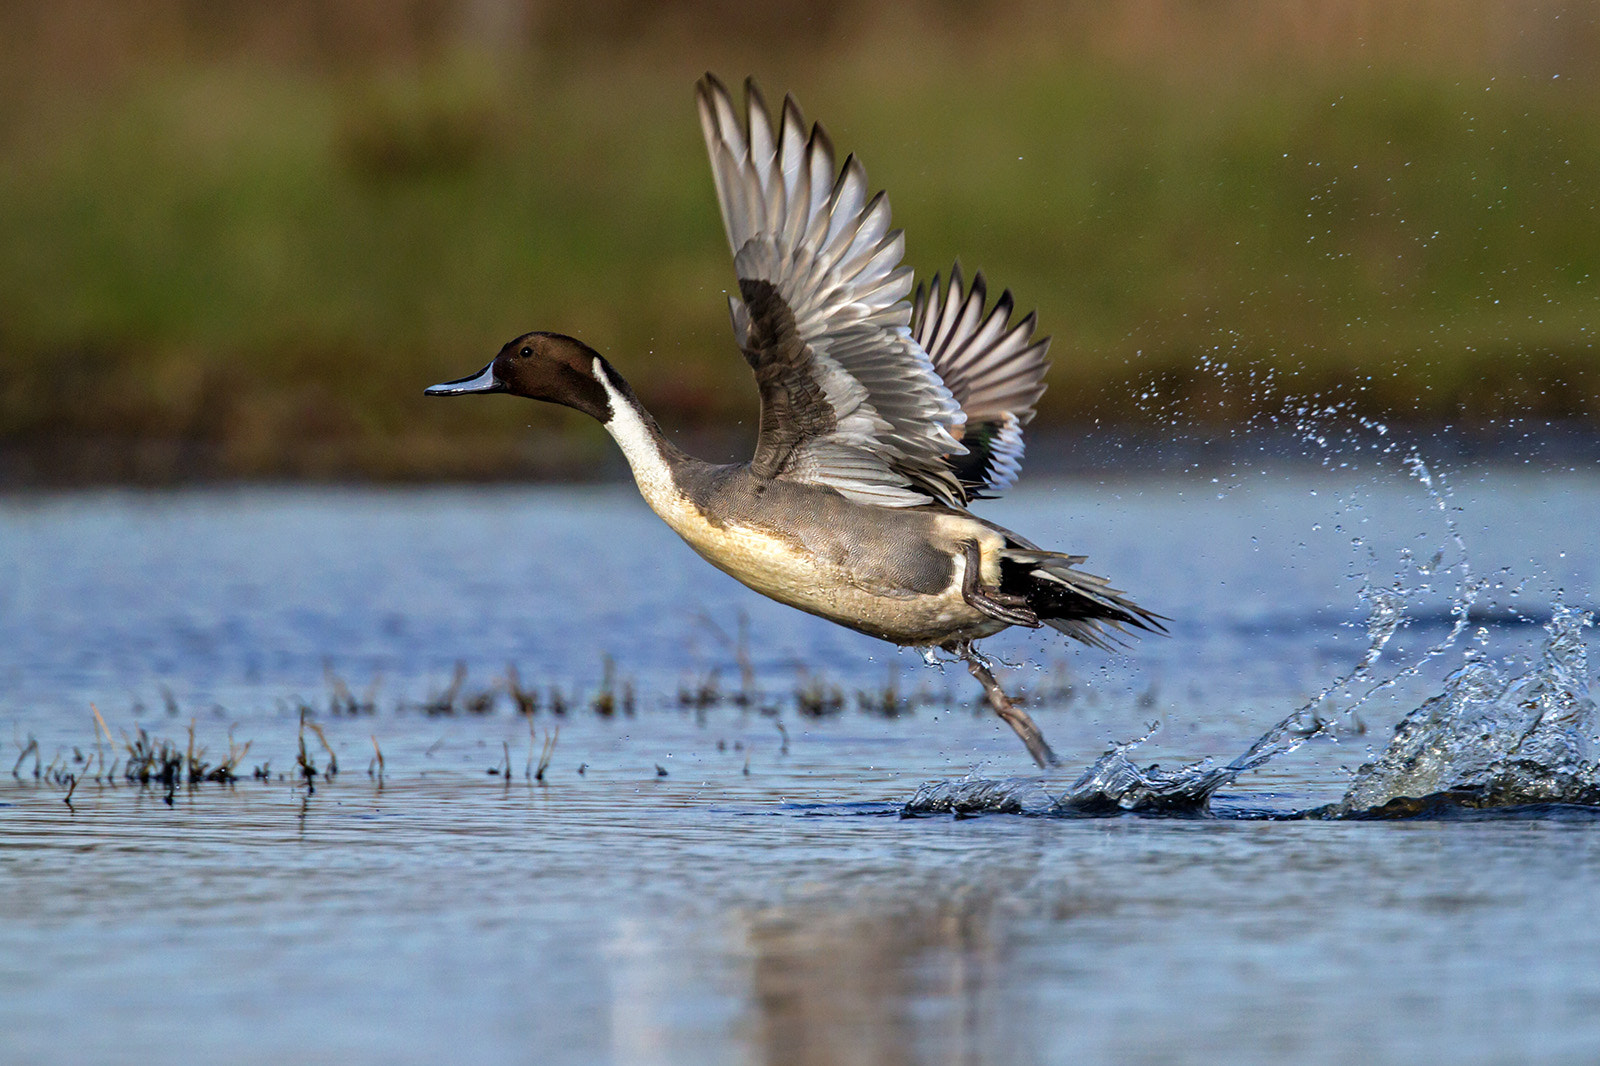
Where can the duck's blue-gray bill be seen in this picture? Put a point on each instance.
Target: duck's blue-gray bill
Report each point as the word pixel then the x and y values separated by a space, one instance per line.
pixel 482 381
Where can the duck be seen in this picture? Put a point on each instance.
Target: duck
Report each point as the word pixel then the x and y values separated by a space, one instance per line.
pixel 884 414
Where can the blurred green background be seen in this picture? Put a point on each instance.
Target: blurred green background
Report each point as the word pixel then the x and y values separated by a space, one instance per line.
pixel 238 239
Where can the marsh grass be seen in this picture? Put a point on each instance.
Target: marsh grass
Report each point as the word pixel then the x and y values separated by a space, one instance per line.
pixel 817 697
pixel 25 750
pixel 610 699
pixel 526 700
pixel 250 267
pixel 341 701
pixel 887 701
pixel 151 762
pixel 445 702
pixel 546 752
pixel 698 693
pixel 164 765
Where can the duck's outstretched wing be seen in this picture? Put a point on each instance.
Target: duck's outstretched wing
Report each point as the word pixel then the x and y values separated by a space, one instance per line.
pixel 995 371
pixel 849 399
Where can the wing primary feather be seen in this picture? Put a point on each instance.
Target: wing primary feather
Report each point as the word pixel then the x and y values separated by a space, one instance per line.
pixel 852 397
pixel 949 310
pixel 993 368
pixel 760 127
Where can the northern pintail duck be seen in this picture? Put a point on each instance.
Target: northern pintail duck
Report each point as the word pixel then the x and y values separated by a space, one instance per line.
pixel 880 419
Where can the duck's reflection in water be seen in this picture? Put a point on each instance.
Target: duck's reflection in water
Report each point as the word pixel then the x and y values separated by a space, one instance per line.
pixel 879 965
pixel 909 984
pixel 832 983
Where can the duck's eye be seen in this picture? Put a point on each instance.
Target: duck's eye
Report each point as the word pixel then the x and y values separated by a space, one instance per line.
pixel 525 352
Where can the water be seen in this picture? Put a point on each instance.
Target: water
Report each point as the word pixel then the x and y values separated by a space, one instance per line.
pixel 737 882
pixel 1487 741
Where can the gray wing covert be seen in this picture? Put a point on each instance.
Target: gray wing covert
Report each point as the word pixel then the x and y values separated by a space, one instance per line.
pixel 849 398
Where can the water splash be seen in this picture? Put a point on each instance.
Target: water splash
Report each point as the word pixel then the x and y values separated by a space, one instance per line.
pixel 1485 741
pixel 979 795
pixel 1115 783
pixel 1490 741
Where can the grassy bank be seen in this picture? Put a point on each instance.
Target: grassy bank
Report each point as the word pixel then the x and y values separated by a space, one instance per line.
pixel 251 268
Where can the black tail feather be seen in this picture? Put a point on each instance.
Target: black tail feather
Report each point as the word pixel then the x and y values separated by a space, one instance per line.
pixel 1078 604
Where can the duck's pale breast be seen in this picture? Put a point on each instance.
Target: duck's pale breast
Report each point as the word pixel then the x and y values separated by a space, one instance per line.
pixel 891 573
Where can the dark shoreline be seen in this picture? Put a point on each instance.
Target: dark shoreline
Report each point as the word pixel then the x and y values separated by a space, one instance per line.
pixel 557 458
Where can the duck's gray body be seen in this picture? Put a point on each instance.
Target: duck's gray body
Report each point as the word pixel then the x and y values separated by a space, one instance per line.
pixel 893 574
pixel 898 579
pixel 880 418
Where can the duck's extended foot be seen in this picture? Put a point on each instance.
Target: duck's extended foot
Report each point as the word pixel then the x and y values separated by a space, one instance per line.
pixel 1010 713
pixel 1005 606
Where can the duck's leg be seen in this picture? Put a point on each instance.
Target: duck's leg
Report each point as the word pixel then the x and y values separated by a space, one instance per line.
pixel 1007 607
pixel 1010 713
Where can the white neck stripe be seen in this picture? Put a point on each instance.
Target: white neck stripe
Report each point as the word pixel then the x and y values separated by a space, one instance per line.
pixel 628 429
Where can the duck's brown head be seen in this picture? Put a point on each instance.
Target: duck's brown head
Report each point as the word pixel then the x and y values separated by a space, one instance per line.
pixel 541 366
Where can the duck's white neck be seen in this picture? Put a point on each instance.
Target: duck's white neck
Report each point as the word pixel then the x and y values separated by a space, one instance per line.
pixel 641 442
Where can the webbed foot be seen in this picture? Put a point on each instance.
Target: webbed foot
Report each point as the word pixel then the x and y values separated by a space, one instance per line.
pixel 1005 606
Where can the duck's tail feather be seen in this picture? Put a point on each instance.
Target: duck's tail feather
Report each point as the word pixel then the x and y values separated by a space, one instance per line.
pixel 1080 605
